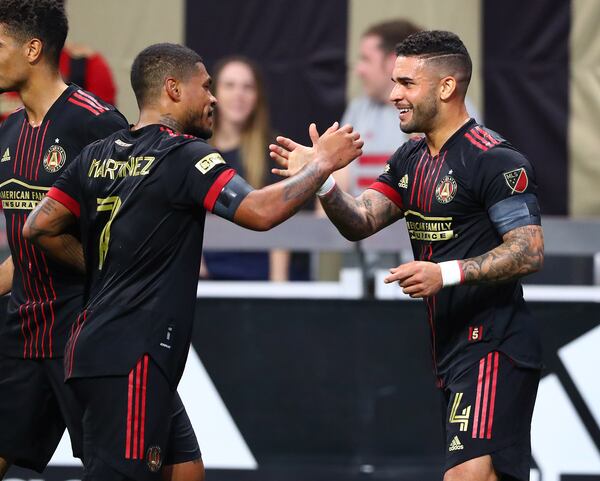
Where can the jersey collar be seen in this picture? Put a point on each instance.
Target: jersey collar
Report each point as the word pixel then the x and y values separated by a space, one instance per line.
pixel 71 87
pixel 458 134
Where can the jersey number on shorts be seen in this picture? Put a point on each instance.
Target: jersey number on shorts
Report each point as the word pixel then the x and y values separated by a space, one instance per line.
pixel 463 418
pixel 112 205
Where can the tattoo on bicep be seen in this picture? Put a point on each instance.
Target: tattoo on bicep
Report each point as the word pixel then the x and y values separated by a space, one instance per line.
pixel 521 253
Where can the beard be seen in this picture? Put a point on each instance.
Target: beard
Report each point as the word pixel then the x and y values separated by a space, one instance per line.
pixel 423 116
pixel 192 126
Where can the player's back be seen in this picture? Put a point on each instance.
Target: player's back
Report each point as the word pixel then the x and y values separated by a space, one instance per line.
pixel 142 212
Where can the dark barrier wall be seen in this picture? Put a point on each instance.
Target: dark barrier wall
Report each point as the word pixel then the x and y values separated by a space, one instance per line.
pixel 301 47
pixel 526 87
pixel 324 389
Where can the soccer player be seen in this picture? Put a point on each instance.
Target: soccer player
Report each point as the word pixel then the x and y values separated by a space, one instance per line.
pixel 37 143
pixel 140 197
pixel 469 200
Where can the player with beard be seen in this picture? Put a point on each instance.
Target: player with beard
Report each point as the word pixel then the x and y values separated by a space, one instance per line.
pixel 139 198
pixel 469 200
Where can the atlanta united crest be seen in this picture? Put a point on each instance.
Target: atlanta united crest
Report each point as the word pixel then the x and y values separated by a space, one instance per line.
pixel 154 459
pixel 55 158
pixel 446 189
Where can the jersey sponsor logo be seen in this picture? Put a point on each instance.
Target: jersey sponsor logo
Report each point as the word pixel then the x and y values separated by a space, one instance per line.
pixel 20 195
pixel 403 184
pixel 154 459
pixel 475 333
pixel 205 164
pixel 462 418
pixel 54 159
pixel 6 155
pixel 516 180
pixel 112 169
pixel 446 189
pixel 430 229
pixel 455 444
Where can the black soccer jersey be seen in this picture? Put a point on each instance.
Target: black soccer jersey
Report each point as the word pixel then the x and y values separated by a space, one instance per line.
pixel 449 201
pixel 46 296
pixel 141 197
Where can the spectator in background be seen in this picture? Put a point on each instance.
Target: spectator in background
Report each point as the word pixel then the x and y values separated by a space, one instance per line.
pixel 242 132
pixel 78 64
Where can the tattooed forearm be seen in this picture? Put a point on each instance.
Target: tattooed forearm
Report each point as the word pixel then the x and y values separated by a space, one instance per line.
pixel 357 218
pixel 309 178
pixel 521 253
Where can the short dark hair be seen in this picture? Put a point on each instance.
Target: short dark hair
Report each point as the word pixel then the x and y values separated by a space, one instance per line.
pixel 155 63
pixel 392 33
pixel 43 19
pixel 444 47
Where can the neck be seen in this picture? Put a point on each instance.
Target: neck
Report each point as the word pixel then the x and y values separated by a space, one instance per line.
pixel 228 136
pixel 151 116
pixel 439 135
pixel 39 94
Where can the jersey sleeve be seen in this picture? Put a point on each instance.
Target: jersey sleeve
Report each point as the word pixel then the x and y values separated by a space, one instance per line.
pixel 103 125
pixel 388 183
pixel 68 188
pixel 202 175
pixel 505 184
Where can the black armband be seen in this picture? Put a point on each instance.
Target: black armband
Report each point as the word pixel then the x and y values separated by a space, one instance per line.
pixel 231 197
pixel 515 211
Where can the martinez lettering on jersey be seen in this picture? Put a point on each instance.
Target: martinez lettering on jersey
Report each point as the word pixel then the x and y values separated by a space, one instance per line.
pixel 113 169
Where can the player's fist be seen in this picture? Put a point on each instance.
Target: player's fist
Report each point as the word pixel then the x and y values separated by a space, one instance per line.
pixel 417 279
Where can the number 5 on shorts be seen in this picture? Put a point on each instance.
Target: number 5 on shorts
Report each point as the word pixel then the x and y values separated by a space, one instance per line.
pixel 112 205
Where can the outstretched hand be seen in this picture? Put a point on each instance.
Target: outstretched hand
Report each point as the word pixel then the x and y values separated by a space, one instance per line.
pixel 337 147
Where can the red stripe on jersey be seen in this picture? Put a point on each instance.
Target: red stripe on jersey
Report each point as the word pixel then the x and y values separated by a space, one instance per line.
pixel 168 131
pixel 42 303
pixel 22 157
pixel 414 186
pixel 21 317
pixel 51 301
pixel 475 142
pixel 26 284
pixel 478 398
pixel 486 395
pixel 136 412
pixel 430 181
pixel 481 139
pixel 129 409
pixel 373 159
pixel 436 178
pixel 493 400
pixel 389 192
pixel 144 391
pixel 427 163
pixel 83 95
pixel 66 200
pixel 18 147
pixel 84 105
pixel 33 282
pixel 35 147
pixel 487 135
pixel 213 193
pixel 28 159
pixel 41 154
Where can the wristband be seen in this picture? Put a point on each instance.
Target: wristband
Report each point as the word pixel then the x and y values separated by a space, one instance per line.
pixel 327 187
pixel 452 273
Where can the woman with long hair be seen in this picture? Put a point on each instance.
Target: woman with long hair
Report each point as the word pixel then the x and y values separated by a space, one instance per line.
pixel 242 133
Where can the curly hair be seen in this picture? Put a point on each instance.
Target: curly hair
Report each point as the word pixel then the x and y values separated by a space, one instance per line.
pixel 42 19
pixel 444 47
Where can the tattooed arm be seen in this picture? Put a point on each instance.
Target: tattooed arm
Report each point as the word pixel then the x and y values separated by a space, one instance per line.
pixel 360 217
pixel 50 226
pixel 521 253
pixel 7 270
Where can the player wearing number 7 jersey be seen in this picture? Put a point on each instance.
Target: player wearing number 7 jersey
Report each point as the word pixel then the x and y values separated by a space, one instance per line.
pixel 140 198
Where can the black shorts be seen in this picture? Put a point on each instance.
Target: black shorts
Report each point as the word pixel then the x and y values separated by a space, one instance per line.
pixel 133 425
pixel 35 407
pixel 488 410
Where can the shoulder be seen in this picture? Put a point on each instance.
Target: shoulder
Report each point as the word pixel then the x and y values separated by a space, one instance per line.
pixel 91 108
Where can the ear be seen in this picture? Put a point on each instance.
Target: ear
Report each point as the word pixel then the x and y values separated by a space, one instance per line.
pixel 33 50
pixel 173 89
pixel 447 88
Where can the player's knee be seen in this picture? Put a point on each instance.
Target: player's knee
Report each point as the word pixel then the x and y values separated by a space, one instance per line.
pixel 478 469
